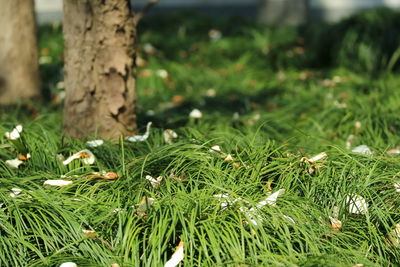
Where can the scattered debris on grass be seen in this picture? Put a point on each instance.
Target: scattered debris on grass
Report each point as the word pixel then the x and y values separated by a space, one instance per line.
pixel 363 149
pixel 169 136
pixel 357 204
pixel 57 182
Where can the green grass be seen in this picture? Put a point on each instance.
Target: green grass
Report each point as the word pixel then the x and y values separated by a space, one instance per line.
pixel 272 106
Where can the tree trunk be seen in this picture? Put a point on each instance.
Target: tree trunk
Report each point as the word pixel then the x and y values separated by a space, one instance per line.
pixel 99 68
pixel 19 64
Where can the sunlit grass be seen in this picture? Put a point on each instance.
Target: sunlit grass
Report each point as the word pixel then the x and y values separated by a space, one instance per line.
pixel 266 119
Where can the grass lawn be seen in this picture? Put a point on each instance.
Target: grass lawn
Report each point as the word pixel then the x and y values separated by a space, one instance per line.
pixel 271 100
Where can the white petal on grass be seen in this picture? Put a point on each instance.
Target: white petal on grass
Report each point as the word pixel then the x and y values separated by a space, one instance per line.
pixel 155 182
pixel 144 205
pixel 195 114
pixel 318 157
pixel 95 143
pixel 140 138
pixel 397 186
pixel 14 163
pixel 228 158
pixel 216 148
pixel 177 257
pixel 169 135
pixel 290 219
pixel 227 200
pixel 69 264
pixel 363 149
pixel 89 233
pixel 86 155
pixel 15 133
pixel 162 74
pixel 394 151
pixel 349 141
pixel 57 182
pixel 335 224
pixel 15 192
pixel 357 204
pixel 271 199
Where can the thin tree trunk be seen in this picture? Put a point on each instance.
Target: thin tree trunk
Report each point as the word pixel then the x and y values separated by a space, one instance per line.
pixel 19 64
pixel 99 68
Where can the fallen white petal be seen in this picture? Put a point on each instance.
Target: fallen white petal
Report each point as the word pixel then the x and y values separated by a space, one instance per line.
pixel 397 186
pixel 228 158
pixel 177 257
pixel 318 157
pixel 195 114
pixel 162 74
pixel 349 141
pixel 154 181
pixel 363 149
pixel 335 223
pixel 169 135
pixel 394 151
pixel 95 143
pixel 68 264
pixel 86 155
pixel 14 163
pixel 216 148
pixel 15 133
pixel 357 204
pixel 271 199
pixel 57 182
pixel 290 219
pixel 140 138
pixel 15 192
pixel 144 205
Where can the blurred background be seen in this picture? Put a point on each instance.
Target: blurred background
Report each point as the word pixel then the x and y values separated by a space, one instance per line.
pixel 269 11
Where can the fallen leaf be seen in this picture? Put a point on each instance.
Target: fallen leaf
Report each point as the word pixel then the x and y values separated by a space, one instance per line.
pixel 228 158
pixel 394 236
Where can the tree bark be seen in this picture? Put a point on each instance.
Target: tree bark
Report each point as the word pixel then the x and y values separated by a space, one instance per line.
pixel 19 64
pixel 99 68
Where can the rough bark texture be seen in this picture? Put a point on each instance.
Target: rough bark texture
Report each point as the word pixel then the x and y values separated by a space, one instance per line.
pixel 19 67
pixel 99 40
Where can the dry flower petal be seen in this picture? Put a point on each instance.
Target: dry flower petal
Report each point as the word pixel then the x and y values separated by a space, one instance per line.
pixel 95 143
pixel 86 155
pixel 195 114
pixel 57 182
pixel 349 141
pixel 363 149
pixel 357 204
pixel 155 182
pixel 143 206
pixel 169 135
pixel 336 224
pixel 89 233
pixel 23 157
pixel 394 151
pixel 15 133
pixel 140 138
pixel 14 163
pixel 271 199
pixel 394 236
pixel 68 264
pixel 228 158
pixel 103 175
pixel 15 192
pixel 397 186
pixel 177 257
